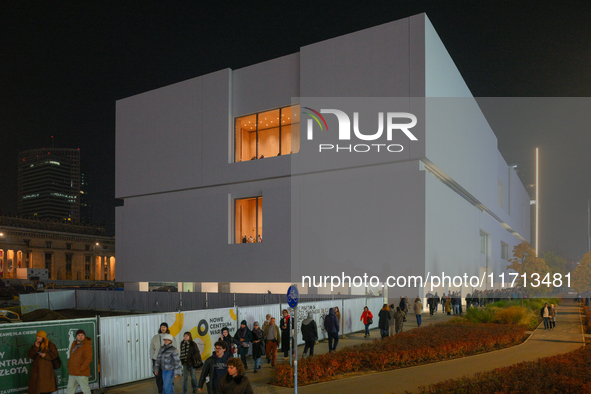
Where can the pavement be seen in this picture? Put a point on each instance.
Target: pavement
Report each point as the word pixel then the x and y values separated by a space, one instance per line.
pixel 567 336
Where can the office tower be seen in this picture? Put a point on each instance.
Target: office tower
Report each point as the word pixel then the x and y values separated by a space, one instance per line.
pixel 49 184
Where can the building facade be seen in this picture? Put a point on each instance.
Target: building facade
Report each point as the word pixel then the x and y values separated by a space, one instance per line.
pixel 223 183
pixel 68 252
pixel 49 184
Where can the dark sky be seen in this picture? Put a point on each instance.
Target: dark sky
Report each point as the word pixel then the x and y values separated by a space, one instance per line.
pixel 64 64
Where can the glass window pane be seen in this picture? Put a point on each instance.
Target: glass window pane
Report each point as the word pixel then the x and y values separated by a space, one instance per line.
pixel 245 138
pixel 259 219
pixel 246 220
pixel 268 126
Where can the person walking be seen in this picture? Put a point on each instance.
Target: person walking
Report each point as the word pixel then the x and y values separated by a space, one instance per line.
pixel 552 317
pixel 242 339
pixel 258 345
pixel 190 359
pixel 41 374
pixel 79 363
pixel 331 325
pixel 545 314
pixel 226 337
pixel 234 381
pixel 448 304
pixel 399 319
pixel 286 325
pixel 214 367
pixel 168 364
pixel 384 320
pixel 309 334
pixel 155 346
pixel 264 328
pixel 418 309
pixel 272 338
pixel 443 302
pixel 367 319
pixel 392 327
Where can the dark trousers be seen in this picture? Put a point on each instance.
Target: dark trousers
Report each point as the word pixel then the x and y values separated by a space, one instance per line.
pixel 309 345
pixel 159 381
pixel 546 323
pixel 431 309
pixel 333 337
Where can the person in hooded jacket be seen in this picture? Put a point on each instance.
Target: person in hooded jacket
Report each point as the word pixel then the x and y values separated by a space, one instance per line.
pixel 234 381
pixel 384 320
pixel 258 345
pixel 155 346
pixel 366 317
pixel 309 334
pixel 398 319
pixel 331 325
pixel 168 364
pixel 41 375
pixel 242 338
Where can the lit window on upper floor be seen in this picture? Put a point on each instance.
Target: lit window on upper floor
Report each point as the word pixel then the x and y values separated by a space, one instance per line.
pixel 267 134
pixel 249 220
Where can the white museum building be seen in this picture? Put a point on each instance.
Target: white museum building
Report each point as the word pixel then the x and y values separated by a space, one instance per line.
pixel 225 189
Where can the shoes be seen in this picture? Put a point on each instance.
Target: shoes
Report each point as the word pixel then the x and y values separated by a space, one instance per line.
pixel 256 370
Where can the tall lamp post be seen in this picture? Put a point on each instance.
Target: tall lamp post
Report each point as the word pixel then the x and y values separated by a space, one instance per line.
pixel 589 224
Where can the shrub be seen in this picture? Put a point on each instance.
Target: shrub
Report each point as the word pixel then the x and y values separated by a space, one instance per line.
pixel 426 345
pixel 565 373
pixel 514 315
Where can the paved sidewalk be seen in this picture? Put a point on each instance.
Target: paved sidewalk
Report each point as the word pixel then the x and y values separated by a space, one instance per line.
pixel 542 343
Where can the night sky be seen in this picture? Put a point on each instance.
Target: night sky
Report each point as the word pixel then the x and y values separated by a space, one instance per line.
pixel 64 64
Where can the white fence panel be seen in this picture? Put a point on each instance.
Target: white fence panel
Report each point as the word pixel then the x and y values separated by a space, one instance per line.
pixel 62 299
pixel 351 315
pixel 40 299
pixel 319 309
pixel 125 347
pixel 374 305
pixel 258 313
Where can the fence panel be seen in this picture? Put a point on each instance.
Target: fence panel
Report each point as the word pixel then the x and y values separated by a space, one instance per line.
pixel 40 299
pixel 258 313
pixel 62 299
pixel 374 305
pixel 351 315
pixel 319 310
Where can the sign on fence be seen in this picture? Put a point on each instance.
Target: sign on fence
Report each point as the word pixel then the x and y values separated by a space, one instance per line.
pixel 17 339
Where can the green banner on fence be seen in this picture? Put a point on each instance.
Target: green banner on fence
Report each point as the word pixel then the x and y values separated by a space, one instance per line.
pixel 16 339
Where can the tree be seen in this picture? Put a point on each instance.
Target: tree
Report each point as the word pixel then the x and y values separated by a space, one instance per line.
pixel 555 263
pixel 582 274
pixel 525 261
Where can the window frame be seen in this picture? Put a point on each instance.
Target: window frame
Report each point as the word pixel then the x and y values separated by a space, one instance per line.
pixel 235 220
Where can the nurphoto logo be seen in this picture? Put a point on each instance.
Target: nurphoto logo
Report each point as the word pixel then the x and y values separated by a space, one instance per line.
pixel 344 132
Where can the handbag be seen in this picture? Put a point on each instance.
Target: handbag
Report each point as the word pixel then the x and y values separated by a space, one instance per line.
pixel 245 344
pixel 199 363
pixel 56 362
pixel 369 320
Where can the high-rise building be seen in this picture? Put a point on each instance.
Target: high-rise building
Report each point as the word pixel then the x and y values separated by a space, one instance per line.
pixel 85 201
pixel 49 184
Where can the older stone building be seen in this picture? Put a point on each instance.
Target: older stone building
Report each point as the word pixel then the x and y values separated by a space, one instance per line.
pixel 68 252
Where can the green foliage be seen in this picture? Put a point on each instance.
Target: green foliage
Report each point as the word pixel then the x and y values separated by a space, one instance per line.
pixel 555 263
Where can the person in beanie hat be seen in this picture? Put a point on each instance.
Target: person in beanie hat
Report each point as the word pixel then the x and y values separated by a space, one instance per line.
pixel 168 364
pixel 79 363
pixel 155 346
pixel 242 338
pixel 41 375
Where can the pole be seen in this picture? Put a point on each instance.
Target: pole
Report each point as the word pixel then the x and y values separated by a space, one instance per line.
pixel 295 351
pixel 589 224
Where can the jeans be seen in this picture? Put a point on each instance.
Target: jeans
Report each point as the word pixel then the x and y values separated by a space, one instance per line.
pixel 384 333
pixel 333 337
pixel 456 309
pixel 309 345
pixel 168 380
pixel 419 320
pixel 257 363
pixel 74 381
pixel 189 373
pixel 546 323
pixel 367 329
pixel 243 359
pixel 159 382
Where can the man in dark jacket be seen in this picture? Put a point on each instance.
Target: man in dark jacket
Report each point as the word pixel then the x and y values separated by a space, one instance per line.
pixel 215 367
pixel 309 334
pixel 285 325
pixel 331 325
pixel 190 359
pixel 79 363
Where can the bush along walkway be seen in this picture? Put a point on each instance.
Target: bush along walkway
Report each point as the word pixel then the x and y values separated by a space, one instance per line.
pixel 543 343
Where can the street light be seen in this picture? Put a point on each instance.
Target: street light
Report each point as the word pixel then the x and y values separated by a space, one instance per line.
pixel 588 224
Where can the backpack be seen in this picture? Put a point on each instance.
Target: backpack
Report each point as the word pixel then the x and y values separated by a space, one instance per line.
pixel 56 362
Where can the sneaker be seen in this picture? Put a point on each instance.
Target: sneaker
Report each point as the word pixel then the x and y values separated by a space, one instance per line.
pixel 256 370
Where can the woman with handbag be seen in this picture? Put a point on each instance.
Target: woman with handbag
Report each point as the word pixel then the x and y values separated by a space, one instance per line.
pixel 242 338
pixel 41 375
pixel 191 360
pixel 367 319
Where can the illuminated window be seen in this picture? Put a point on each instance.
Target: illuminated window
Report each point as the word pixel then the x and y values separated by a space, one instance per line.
pixel 267 134
pixel 249 220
